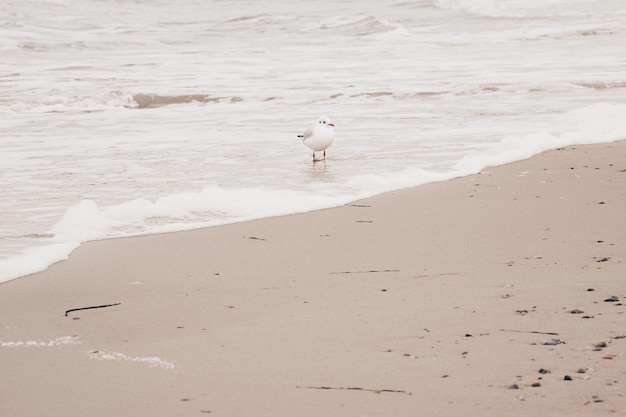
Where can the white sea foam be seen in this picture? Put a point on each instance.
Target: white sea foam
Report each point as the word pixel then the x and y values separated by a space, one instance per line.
pixel 59 341
pixel 151 361
pixel 165 118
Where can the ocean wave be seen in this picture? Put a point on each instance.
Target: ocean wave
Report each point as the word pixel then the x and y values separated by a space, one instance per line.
pixel 56 102
pixel 361 26
pixel 480 8
pixel 60 103
pixel 519 9
pixel 600 85
pixel 147 101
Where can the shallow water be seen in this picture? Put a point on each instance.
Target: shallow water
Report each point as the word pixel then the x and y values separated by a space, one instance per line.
pixel 121 118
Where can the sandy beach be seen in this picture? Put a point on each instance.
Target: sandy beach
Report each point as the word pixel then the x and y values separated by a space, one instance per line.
pixel 501 293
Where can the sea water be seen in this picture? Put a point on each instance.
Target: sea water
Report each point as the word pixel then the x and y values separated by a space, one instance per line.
pixel 129 117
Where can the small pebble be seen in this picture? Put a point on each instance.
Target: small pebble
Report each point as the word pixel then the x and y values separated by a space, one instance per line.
pixel 544 371
pixel 576 311
pixel 567 378
pixel 611 299
pixel 514 386
pixel 601 345
pixel 581 371
pixel 590 289
pixel 535 384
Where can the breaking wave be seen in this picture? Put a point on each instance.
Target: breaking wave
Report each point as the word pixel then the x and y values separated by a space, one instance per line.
pixel 369 25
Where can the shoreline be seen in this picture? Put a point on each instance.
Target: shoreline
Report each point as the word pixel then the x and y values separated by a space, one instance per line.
pixel 448 297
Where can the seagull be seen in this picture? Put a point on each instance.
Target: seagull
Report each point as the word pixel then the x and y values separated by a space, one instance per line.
pixel 320 136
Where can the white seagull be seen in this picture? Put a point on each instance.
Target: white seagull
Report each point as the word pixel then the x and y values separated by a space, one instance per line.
pixel 320 136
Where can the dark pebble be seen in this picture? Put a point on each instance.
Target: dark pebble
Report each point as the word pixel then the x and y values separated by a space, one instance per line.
pixel 544 371
pixel 468 335
pixel 576 311
pixel 514 386
pixel 581 371
pixel 611 299
pixel 590 289
pixel 605 259
pixel 535 384
pixel 567 378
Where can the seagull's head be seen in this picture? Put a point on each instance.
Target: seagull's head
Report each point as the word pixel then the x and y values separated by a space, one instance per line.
pixel 325 121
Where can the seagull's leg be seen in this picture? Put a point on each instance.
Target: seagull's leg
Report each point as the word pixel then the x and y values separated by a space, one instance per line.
pixel 324 154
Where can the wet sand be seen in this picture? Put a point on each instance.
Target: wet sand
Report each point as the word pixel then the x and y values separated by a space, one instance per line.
pixel 498 293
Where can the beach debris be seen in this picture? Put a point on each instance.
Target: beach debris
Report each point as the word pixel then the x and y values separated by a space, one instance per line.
pixel 581 371
pixel 544 371
pixel 436 275
pixel 600 345
pixel 594 399
pixel 554 342
pixel 359 205
pixel 514 386
pixel 530 331
pixel 374 271
pixel 605 259
pixel 90 308
pixel 254 238
pixel 535 384
pixel 375 391
pixel 576 311
pixel 612 299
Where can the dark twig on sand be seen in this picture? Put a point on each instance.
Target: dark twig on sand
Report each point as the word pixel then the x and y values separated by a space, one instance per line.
pixel 363 272
pixel 436 275
pixel 377 391
pixel 529 331
pixel 89 308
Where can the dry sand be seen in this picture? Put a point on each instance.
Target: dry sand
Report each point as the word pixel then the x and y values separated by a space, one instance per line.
pixel 443 300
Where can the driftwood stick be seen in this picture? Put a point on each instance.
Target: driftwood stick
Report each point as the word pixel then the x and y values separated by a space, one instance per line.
pixel 436 275
pixel 377 391
pixel 363 272
pixel 529 331
pixel 89 308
